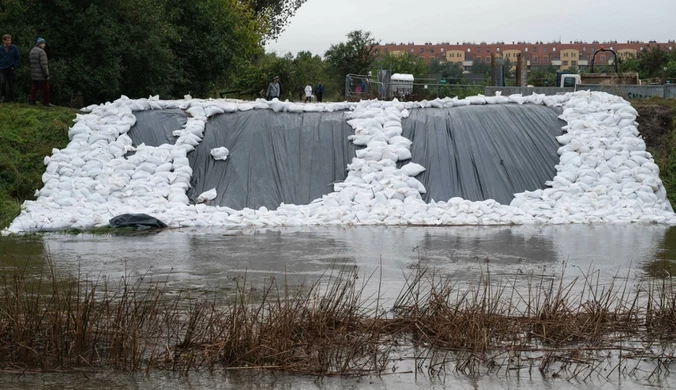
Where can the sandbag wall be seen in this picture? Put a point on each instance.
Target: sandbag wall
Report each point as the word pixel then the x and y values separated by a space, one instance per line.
pixel 603 173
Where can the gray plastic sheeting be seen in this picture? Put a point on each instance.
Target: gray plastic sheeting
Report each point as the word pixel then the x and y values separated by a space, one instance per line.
pixel 155 127
pixel 484 152
pixel 274 158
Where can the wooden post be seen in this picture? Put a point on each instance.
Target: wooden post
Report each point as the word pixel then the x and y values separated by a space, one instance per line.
pixel 521 70
pixel 518 70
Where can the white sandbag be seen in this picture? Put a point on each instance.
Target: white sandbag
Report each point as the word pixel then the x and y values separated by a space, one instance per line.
pixel 220 153
pixel 178 197
pixel 181 162
pixel 276 105
pixel 197 111
pixel 245 106
pixel 402 152
pixel 295 108
pixel 207 196
pixel 412 169
pixel 213 110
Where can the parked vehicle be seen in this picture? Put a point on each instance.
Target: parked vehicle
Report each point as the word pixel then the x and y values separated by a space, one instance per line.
pixel 567 80
pixel 401 85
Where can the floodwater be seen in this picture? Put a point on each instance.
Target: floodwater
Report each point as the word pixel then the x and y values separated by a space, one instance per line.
pixel 205 263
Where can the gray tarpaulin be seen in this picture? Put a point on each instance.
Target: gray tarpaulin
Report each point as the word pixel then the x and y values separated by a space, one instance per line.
pixel 484 152
pixel 274 158
pixel 474 152
pixel 155 127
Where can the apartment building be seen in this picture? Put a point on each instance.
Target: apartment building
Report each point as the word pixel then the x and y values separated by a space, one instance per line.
pixel 562 55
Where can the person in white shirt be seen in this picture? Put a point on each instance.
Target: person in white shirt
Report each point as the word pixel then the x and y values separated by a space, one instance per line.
pixel 308 93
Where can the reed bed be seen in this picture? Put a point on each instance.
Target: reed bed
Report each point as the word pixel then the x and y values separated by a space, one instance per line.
pixel 572 329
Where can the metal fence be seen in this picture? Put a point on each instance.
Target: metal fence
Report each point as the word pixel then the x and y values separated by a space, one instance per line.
pixel 358 87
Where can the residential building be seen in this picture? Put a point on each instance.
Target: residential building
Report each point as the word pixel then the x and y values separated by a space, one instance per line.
pixel 559 54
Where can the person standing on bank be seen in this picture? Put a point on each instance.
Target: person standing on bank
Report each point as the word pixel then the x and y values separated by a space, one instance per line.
pixel 319 92
pixel 39 73
pixel 273 89
pixel 308 93
pixel 9 61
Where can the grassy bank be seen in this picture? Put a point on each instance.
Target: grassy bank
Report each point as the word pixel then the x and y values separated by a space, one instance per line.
pixel 27 134
pixel 332 327
pixel 657 125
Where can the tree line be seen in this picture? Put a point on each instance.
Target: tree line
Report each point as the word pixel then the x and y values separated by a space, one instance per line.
pixel 101 49
pixel 653 63
pixel 356 55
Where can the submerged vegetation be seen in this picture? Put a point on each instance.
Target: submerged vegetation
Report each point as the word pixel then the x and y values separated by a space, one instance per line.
pixel 557 326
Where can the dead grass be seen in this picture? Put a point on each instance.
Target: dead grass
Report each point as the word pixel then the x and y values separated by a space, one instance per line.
pixel 576 328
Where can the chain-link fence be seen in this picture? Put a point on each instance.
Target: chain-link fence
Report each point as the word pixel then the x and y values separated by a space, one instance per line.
pixel 362 87
pixel 359 87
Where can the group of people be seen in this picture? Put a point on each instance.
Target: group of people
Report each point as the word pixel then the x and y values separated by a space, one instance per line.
pixel 274 91
pixel 358 87
pixel 9 62
pixel 318 90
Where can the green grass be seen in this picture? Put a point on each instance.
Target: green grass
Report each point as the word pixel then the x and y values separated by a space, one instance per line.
pixel 27 134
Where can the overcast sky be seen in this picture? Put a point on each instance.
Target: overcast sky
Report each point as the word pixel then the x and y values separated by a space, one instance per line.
pixel 320 23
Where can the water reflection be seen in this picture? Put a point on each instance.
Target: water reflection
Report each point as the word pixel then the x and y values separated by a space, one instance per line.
pixel 208 260
pixel 23 253
pixel 278 381
pixel 664 263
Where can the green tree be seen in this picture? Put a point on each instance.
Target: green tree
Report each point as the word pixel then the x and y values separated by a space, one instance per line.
pixel 306 68
pixel 100 49
pixel 405 63
pixel 213 36
pixel 254 76
pixel 543 76
pixel 628 64
pixel 273 15
pixel 510 69
pixel 449 71
pixel 356 55
pixel 671 68
pixel 479 67
pixel 652 62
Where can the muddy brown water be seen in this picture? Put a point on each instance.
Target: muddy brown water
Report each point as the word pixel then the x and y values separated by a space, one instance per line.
pixel 205 263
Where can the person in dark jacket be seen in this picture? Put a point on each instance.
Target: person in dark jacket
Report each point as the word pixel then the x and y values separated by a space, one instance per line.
pixel 319 92
pixel 39 73
pixel 9 61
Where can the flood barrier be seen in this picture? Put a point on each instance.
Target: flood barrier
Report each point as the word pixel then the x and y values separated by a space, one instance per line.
pixel 472 152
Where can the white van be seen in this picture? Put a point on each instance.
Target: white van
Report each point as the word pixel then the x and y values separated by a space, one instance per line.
pixel 401 84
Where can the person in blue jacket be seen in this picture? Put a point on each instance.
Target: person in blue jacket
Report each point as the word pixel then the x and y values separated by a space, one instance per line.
pixel 9 61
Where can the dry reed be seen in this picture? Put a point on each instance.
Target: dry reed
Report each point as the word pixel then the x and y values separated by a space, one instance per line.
pixel 573 329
